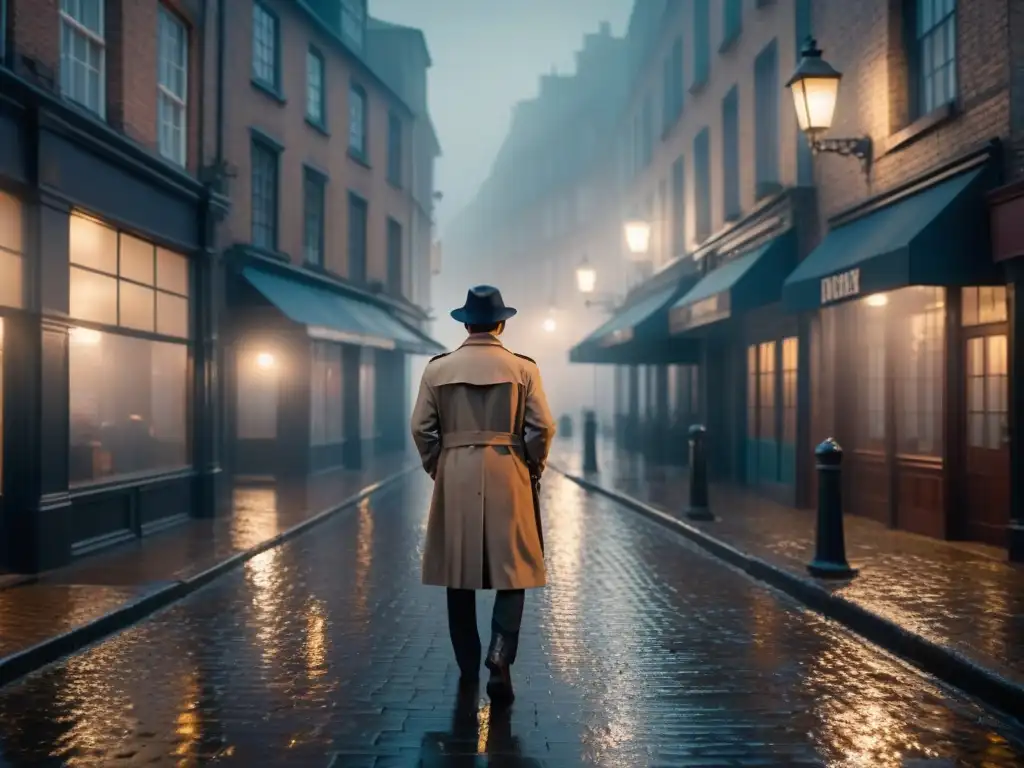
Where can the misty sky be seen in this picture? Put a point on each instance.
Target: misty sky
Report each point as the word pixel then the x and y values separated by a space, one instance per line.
pixel 489 54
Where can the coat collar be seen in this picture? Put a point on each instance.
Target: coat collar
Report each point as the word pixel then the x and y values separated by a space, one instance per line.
pixel 482 340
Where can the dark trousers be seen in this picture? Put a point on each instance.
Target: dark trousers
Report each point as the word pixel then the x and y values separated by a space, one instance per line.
pixel 506 618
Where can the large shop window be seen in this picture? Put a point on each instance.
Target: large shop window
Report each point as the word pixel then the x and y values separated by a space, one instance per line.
pixel 772 411
pixel 128 394
pixel 898 338
pixel 12 261
pixel 257 371
pixel 326 424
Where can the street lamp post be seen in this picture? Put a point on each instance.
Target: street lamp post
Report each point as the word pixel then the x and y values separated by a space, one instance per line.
pixel 815 88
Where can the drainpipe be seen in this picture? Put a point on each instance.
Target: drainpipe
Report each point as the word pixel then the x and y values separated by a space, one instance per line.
pixel 221 44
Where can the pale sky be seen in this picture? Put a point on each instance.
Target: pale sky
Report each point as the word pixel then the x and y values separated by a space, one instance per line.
pixel 489 54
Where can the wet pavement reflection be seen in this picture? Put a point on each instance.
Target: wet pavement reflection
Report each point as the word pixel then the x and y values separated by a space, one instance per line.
pixel 642 652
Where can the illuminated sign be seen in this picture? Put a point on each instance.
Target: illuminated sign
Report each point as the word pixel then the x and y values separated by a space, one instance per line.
pixel 841 286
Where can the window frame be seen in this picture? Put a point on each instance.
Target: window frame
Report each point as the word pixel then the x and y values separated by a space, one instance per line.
pixel 348 11
pixel 394 232
pixel 273 85
pixel 314 54
pixel 701 44
pixel 164 92
pixel 356 201
pixel 259 143
pixel 767 166
pixel 916 40
pixel 703 223
pixel 313 178
pixel 732 196
pixel 357 94
pixel 77 27
pixel 395 153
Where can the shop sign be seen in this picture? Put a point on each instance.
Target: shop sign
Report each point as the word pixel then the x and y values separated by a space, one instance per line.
pixel 841 286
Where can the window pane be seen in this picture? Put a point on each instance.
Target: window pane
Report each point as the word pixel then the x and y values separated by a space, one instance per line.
pixel 93 297
pixel 137 308
pixel 171 272
pixel 970 306
pixel 136 259
pixel 92 244
pixel 11 223
pixel 12 280
pixel 257 395
pixel 128 405
pixel 171 315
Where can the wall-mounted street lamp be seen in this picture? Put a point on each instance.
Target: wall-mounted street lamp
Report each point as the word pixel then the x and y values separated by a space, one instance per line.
pixel 638 237
pixel 586 283
pixel 815 88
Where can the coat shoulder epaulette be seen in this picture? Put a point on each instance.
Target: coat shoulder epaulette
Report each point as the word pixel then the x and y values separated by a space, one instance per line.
pixel 438 357
pixel 525 357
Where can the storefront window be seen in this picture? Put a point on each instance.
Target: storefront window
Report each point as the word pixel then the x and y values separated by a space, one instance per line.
pixel 12 268
pixel 987 399
pixel 128 396
pixel 868 317
pixel 789 381
pixel 367 395
pixel 673 392
pixel 752 391
pixel 325 411
pixel 256 395
pixel 1 406
pixel 128 404
pixel 920 365
pixel 984 304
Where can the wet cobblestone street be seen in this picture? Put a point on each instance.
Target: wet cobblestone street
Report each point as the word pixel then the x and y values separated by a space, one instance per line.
pixel 641 652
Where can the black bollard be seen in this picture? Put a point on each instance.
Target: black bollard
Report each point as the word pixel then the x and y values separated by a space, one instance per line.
pixel 698 475
pixel 589 442
pixel 565 426
pixel 830 546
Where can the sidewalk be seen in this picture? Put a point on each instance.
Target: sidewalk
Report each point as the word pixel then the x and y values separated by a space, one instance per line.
pixel 955 609
pixel 44 618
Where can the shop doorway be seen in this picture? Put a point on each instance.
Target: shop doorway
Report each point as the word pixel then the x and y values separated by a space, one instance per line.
pixel 771 412
pixel 986 504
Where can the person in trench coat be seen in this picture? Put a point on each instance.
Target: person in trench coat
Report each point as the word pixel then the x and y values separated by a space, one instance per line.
pixel 483 430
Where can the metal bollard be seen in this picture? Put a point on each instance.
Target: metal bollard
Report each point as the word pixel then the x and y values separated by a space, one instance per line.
pixel 830 546
pixel 698 475
pixel 565 426
pixel 589 442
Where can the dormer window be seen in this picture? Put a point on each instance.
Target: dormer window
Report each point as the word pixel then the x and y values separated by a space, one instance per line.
pixel 353 23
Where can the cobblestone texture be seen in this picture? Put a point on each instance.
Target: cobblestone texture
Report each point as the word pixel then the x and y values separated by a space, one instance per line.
pixel 641 652
pixel 960 595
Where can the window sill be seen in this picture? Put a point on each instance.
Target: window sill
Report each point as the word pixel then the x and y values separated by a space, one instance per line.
pixel 269 90
pixel 698 85
pixel 921 127
pixel 317 126
pixel 765 189
pixel 733 217
pixel 730 40
pixel 358 157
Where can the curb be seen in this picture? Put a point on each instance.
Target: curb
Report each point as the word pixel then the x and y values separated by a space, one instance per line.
pixel 942 662
pixel 30 659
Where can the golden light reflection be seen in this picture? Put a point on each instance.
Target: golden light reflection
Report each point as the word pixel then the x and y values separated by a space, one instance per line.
pixel 364 556
pixel 263 572
pixel 316 639
pixel 257 515
pixel 564 538
pixel 187 724
pixel 483 728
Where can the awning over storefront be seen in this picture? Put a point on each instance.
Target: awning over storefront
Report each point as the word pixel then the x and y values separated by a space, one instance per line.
pixel 331 316
pixel 637 331
pixel 937 236
pixel 749 281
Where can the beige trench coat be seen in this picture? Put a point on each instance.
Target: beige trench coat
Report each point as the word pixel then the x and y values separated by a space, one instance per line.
pixel 481 413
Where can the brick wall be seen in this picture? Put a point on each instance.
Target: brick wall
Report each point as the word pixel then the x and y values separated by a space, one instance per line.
pixel 248 107
pixel 862 39
pixel 1015 150
pixel 131 60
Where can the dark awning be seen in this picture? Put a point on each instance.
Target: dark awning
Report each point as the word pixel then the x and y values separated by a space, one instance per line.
pixel 938 236
pixel 638 332
pixel 745 283
pixel 331 316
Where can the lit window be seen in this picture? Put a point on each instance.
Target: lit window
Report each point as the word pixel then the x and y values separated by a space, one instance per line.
pixel 12 261
pixel 83 53
pixel 264 46
pixel 172 92
pixel 315 87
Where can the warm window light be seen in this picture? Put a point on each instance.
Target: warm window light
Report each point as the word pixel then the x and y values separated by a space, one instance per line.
pixel 877 300
pixel 586 277
pixel 85 336
pixel 638 236
pixel 815 87
pixel 264 361
pixel 550 325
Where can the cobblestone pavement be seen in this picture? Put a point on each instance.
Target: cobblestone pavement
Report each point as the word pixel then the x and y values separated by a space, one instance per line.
pixel 642 652
pixel 961 595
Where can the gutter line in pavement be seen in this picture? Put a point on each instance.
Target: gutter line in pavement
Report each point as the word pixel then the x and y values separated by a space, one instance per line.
pixel 53 648
pixel 927 655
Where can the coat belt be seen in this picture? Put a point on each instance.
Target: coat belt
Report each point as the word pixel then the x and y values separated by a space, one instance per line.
pixel 480 437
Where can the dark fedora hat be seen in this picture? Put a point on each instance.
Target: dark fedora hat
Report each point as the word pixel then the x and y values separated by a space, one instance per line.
pixel 484 306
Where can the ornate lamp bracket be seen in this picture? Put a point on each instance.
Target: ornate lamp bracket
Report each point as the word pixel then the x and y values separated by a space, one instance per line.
pixel 860 148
